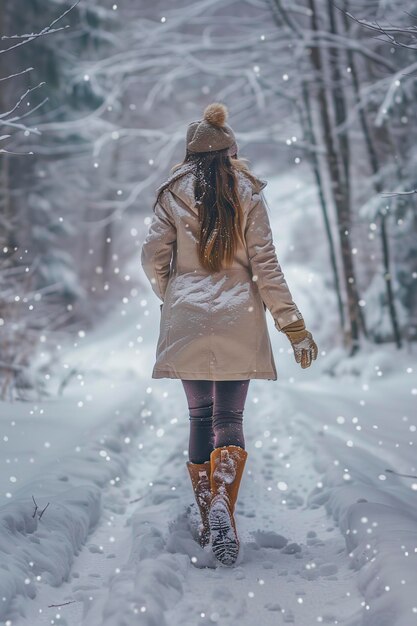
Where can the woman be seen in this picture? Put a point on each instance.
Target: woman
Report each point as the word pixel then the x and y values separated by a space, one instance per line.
pixel 209 256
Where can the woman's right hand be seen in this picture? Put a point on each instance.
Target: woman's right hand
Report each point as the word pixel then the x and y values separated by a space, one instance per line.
pixel 302 342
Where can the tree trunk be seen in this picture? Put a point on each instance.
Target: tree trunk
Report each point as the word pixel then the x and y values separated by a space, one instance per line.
pixel 375 166
pixel 318 178
pixel 341 200
pixel 280 16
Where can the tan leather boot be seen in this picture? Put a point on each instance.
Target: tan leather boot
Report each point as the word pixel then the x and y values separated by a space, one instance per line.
pixel 200 479
pixel 227 464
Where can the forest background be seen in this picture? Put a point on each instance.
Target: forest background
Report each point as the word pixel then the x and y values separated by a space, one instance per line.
pixel 95 98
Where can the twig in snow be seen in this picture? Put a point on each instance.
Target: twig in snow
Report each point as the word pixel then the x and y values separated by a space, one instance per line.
pixel 135 500
pixel 36 508
pixel 66 380
pixel 43 511
pixel 390 471
pixel 51 606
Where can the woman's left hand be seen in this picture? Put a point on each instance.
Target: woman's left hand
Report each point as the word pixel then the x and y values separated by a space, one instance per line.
pixel 305 351
pixel 302 342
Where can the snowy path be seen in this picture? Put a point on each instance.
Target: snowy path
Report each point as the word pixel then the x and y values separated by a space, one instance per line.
pixel 314 452
pixel 293 562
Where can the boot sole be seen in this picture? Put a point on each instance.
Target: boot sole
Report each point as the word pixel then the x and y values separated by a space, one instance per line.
pixel 224 541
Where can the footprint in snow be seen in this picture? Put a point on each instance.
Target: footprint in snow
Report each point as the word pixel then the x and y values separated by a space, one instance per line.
pixel 273 606
pixel 183 539
pixel 292 548
pixel 269 539
pixel 95 549
pixel 328 569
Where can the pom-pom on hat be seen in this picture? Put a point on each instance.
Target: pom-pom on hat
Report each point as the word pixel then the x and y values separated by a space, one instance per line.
pixel 211 133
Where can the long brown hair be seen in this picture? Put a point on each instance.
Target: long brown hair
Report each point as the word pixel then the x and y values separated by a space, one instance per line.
pixel 219 210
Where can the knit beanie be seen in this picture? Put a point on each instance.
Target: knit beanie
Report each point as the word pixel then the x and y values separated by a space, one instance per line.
pixel 211 133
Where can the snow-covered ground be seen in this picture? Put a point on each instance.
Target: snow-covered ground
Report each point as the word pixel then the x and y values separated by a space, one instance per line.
pixel 328 529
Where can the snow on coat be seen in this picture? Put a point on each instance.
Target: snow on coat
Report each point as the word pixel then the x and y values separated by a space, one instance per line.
pixel 213 325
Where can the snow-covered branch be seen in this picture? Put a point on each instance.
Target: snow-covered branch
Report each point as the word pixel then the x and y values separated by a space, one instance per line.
pixel 48 30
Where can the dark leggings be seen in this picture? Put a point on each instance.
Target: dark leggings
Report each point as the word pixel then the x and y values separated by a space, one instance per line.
pixel 216 415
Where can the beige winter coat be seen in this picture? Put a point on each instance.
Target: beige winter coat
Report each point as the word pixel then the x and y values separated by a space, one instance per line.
pixel 213 325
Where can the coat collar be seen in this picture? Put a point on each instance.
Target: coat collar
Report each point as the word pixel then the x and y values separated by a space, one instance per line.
pixel 182 183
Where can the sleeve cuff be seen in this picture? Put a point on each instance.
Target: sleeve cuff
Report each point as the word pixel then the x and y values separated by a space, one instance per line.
pixel 287 318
